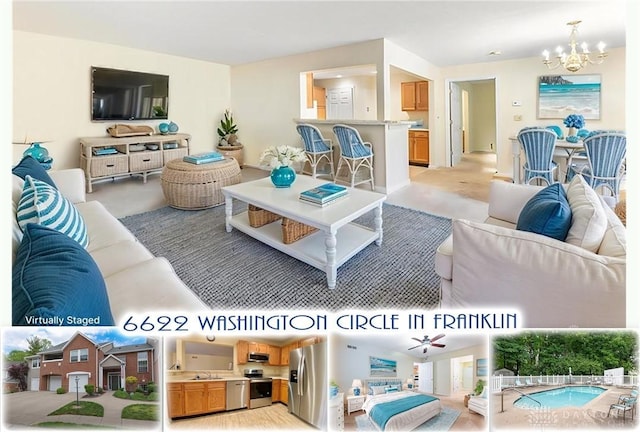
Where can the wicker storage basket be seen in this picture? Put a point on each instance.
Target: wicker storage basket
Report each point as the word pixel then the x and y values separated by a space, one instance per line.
pixel 109 165
pixel 177 153
pixel 259 216
pixel 146 160
pixel 293 231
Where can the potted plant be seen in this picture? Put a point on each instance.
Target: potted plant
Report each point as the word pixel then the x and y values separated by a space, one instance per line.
pixel 228 143
pixel 479 387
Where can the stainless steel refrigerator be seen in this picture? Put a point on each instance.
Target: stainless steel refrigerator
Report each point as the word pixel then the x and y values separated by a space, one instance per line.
pixel 308 384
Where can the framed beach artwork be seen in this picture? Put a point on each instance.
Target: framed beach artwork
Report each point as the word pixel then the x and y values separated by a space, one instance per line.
pixel 382 368
pixel 481 367
pixel 561 95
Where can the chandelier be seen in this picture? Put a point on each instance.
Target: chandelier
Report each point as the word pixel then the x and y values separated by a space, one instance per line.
pixel 574 61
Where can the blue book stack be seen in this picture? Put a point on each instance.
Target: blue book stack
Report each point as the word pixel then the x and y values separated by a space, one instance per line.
pixel 324 194
pixel 203 158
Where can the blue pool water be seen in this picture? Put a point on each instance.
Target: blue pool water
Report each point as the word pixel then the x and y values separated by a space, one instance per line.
pixel 560 397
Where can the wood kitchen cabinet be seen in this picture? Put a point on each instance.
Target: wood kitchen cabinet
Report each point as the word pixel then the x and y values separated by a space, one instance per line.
pixel 419 147
pixel 284 355
pixel 242 350
pixel 274 355
pixel 186 399
pixel 258 347
pixel 320 97
pixel 175 400
pixel 415 96
pixel 284 392
pixel 275 390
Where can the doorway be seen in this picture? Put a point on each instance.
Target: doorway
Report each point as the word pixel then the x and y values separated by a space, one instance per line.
pixel 462 375
pixel 113 380
pixel 340 103
pixel 472 118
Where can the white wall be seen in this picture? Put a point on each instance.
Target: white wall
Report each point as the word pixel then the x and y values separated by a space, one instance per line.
pixel 266 95
pixel 52 86
pixel 442 366
pixel 518 80
pixel 348 363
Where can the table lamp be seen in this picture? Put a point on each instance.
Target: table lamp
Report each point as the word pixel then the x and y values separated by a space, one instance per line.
pixel 409 383
pixel 356 384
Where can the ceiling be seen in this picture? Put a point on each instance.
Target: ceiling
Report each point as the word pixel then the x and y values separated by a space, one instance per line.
pixel 445 33
pixel 402 342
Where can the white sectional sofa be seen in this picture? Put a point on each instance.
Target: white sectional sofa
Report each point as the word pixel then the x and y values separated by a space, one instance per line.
pixel 135 280
pixel 552 283
pixel 479 403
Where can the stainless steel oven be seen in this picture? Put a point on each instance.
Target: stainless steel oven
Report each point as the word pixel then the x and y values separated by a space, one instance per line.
pixel 259 388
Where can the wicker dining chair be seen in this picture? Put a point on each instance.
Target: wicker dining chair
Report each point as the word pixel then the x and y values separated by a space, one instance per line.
pixel 319 150
pixel 604 167
pixel 538 145
pixel 355 154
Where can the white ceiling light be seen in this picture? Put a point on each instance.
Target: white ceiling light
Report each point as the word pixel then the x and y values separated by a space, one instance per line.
pixel 574 61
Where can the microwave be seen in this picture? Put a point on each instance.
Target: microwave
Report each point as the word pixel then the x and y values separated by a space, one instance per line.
pixel 258 357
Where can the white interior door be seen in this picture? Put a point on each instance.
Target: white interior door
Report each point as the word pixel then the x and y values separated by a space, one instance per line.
pixel 425 380
pixel 455 97
pixel 340 103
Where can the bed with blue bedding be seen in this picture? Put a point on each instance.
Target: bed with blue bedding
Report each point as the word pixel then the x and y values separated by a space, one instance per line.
pixel 391 409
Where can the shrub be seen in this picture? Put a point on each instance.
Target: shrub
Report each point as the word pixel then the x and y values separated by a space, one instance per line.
pixel 139 396
pixel 152 387
pixel 60 390
pixel 139 390
pixel 100 390
pixel 121 394
pixel 155 396
pixel 90 389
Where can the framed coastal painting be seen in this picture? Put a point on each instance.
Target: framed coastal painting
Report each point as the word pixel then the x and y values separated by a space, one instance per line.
pixel 382 368
pixel 561 95
pixel 481 367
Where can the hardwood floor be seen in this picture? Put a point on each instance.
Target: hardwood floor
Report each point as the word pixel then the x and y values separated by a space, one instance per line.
pixel 466 421
pixel 274 417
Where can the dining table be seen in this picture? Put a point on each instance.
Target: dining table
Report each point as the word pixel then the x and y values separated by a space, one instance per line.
pixel 570 148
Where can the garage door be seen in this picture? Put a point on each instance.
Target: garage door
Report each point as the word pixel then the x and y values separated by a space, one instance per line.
pixel 35 384
pixel 55 382
pixel 82 381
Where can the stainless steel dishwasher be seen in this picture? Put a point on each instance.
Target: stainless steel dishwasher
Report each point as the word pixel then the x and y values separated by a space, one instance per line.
pixel 237 394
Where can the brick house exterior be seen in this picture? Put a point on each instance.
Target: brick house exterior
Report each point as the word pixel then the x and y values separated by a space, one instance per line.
pixel 80 361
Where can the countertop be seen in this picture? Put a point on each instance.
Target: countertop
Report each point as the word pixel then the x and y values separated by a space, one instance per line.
pixel 419 129
pixel 191 380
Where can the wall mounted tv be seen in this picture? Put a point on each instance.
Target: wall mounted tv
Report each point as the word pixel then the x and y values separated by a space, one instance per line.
pixel 128 95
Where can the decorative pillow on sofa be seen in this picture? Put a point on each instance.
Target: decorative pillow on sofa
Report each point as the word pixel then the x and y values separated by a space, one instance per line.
pixel 56 282
pixel 589 218
pixel 43 204
pixel 29 166
pixel 547 213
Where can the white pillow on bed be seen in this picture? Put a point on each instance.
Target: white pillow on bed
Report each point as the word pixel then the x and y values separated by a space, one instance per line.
pixel 378 390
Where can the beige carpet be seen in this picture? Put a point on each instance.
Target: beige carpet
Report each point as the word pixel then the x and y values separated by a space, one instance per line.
pixel 470 178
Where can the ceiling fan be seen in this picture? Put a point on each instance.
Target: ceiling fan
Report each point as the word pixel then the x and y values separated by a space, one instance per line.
pixel 427 342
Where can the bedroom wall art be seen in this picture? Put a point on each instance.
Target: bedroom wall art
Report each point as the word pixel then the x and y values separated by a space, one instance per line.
pixel 481 367
pixel 561 95
pixel 382 368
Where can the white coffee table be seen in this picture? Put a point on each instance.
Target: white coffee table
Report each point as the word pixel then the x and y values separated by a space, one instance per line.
pixel 338 238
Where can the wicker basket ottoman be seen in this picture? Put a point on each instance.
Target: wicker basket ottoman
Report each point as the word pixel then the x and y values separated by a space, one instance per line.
pixel 189 186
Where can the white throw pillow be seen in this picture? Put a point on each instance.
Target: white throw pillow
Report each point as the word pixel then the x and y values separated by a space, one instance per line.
pixel 377 390
pixel 42 204
pixel 589 220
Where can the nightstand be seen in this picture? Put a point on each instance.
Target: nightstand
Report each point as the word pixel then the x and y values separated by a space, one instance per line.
pixel 354 403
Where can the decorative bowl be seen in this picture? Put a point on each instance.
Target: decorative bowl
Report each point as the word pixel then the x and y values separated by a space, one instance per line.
pixel 153 146
pixel 173 128
pixel 163 128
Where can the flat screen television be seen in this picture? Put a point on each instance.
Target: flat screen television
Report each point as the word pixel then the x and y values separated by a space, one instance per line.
pixel 128 95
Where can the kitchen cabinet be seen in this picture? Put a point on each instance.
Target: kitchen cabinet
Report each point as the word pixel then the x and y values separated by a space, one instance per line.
pixel 175 400
pixel 242 350
pixel 284 355
pixel 274 355
pixel 275 390
pixel 419 147
pixel 320 98
pixel 186 399
pixel 309 341
pixel 284 392
pixel 257 347
pixel 415 96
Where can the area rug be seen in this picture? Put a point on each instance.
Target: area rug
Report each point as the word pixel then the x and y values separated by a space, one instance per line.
pixel 235 271
pixel 441 422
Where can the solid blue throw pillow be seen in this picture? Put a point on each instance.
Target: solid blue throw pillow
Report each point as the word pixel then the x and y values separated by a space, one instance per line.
pixel 547 213
pixel 57 282
pixel 29 166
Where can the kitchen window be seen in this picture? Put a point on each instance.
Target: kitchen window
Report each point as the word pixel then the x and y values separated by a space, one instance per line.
pixel 143 362
pixel 79 355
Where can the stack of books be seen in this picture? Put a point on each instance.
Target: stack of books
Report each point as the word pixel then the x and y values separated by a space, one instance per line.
pixel 324 194
pixel 101 151
pixel 203 158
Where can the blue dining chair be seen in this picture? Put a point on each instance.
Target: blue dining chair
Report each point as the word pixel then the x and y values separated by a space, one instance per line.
pixel 538 145
pixel 318 149
pixel 604 168
pixel 356 154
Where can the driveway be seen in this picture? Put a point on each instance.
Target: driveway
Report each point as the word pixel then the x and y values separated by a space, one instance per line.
pixel 29 408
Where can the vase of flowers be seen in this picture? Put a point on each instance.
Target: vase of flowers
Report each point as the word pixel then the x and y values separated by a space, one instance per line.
pixel 574 122
pixel 280 159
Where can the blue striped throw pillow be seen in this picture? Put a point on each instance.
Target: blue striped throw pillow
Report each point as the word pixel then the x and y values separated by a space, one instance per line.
pixel 42 204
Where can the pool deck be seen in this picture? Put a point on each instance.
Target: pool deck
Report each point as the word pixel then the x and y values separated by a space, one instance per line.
pixel 593 415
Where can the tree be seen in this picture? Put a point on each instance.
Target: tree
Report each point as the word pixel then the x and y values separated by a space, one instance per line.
pixel 19 373
pixel 16 356
pixel 37 344
pixel 131 382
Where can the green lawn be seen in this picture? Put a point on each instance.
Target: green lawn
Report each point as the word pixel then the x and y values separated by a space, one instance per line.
pixel 86 408
pixel 66 426
pixel 141 412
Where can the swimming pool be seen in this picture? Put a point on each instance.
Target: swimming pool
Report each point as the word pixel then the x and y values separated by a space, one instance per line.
pixel 560 397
